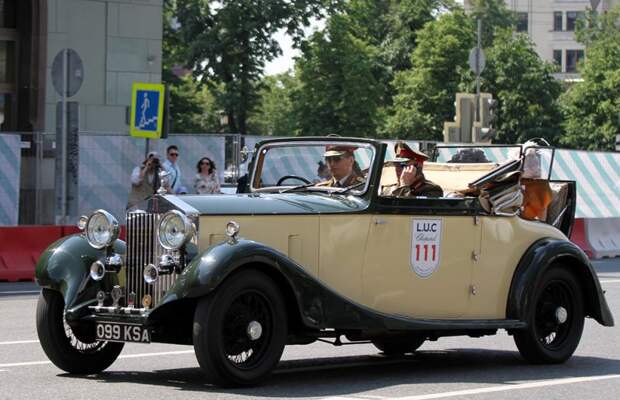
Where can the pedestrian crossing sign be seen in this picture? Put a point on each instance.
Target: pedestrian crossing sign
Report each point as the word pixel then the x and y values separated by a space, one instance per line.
pixel 147 110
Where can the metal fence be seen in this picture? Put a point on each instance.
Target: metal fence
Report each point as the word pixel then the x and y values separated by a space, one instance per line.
pixel 98 169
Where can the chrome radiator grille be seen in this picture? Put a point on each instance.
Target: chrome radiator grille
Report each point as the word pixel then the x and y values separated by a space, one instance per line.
pixel 143 249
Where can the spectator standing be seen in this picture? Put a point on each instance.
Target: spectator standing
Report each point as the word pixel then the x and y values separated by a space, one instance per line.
pixel 206 180
pixel 144 179
pixel 172 167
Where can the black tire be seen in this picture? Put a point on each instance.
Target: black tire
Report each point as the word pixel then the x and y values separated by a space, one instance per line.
pixel 393 346
pixel 83 355
pixel 547 340
pixel 226 352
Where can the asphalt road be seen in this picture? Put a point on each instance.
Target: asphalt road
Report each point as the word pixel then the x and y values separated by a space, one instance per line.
pixel 459 368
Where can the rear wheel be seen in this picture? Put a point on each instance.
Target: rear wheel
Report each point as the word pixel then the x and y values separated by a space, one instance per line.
pixel 555 322
pixel 392 346
pixel 240 330
pixel 71 348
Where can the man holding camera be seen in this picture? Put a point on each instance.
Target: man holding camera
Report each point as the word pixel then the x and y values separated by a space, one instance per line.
pixel 411 179
pixel 145 179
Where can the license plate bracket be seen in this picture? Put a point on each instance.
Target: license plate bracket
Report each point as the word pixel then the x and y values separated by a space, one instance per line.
pixel 122 332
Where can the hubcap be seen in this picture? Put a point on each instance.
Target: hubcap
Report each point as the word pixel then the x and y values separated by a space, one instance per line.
pixel 255 330
pixel 561 315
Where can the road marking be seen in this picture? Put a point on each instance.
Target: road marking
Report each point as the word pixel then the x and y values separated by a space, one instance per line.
pixel 610 281
pixel 20 342
pixel 493 389
pixel 22 292
pixel 139 355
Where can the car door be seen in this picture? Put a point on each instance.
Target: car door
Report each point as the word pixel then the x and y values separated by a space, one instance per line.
pixel 420 266
pixel 343 238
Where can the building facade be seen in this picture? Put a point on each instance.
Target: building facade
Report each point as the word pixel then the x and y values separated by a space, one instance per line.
pixel 68 65
pixel 551 26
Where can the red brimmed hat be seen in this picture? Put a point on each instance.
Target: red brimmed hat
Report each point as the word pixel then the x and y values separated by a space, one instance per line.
pixel 337 150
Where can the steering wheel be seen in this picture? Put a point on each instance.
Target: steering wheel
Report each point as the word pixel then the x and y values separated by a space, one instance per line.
pixel 299 178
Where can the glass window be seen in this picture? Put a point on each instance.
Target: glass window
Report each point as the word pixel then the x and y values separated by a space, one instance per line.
pixel 557 58
pixel 522 22
pixel 7 61
pixel 571 19
pixel 7 13
pixel 573 57
pixel 557 21
pixel 5 111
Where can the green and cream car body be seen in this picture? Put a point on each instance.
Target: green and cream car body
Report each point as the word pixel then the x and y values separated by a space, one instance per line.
pixel 240 276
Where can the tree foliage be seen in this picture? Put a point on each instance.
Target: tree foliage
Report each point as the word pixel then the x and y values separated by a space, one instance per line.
pixel 339 88
pixel 227 43
pixel 525 88
pixel 274 113
pixel 191 107
pixel 592 108
pixel 425 94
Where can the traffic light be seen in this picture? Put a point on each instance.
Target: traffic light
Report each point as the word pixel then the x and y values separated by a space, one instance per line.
pixel 460 131
pixel 484 130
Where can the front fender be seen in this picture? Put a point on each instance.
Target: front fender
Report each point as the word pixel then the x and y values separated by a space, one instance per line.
pixel 65 265
pixel 536 260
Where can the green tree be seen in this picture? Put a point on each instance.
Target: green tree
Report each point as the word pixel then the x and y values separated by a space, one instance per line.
pixel 591 108
pixel 425 94
pixel 495 17
pixel 339 88
pixel 274 113
pixel 227 43
pixel 189 104
pixel 525 88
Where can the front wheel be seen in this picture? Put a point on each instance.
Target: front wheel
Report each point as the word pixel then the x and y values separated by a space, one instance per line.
pixel 240 330
pixel 72 349
pixel 555 322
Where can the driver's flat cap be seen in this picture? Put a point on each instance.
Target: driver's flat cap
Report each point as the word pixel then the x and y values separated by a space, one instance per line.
pixel 338 150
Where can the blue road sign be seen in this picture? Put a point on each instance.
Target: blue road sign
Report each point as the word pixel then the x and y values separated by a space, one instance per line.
pixel 147 110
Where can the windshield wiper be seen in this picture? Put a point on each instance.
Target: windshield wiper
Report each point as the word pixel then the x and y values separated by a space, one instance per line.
pixel 306 185
pixel 345 190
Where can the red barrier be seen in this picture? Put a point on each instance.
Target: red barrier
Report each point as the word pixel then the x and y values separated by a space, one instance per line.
pixel 21 247
pixel 580 238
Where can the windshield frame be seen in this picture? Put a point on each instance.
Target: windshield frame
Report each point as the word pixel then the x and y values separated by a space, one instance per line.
pixel 257 162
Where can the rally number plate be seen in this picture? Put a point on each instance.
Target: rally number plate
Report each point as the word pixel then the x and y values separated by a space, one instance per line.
pixel 114 332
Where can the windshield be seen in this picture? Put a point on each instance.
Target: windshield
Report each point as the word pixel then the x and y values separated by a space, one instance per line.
pixel 313 166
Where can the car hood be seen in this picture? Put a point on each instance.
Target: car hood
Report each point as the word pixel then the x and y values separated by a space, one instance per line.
pixel 271 203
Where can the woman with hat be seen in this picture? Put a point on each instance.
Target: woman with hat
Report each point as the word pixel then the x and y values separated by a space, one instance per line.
pixel 411 181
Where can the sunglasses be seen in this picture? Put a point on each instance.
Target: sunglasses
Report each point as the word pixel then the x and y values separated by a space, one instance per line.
pixel 205 163
pixel 404 164
pixel 173 154
pixel 333 158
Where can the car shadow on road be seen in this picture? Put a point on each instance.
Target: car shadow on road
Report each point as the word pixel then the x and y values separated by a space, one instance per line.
pixel 339 376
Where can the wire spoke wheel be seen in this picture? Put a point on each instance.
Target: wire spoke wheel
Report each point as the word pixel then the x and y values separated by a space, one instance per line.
pixel 240 330
pixel 556 319
pixel 71 346
pixel 247 310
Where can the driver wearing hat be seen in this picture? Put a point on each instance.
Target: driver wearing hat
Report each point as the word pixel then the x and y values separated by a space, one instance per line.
pixel 342 166
pixel 411 181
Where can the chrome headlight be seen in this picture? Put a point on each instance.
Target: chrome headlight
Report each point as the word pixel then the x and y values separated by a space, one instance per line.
pixel 101 229
pixel 175 229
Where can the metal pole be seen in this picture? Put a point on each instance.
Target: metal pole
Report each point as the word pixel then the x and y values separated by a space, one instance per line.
pixel 479 47
pixel 64 135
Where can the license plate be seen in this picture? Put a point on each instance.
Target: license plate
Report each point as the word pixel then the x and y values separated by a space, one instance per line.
pixel 115 332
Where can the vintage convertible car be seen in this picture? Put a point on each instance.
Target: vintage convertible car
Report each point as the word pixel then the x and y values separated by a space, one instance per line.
pixel 292 262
